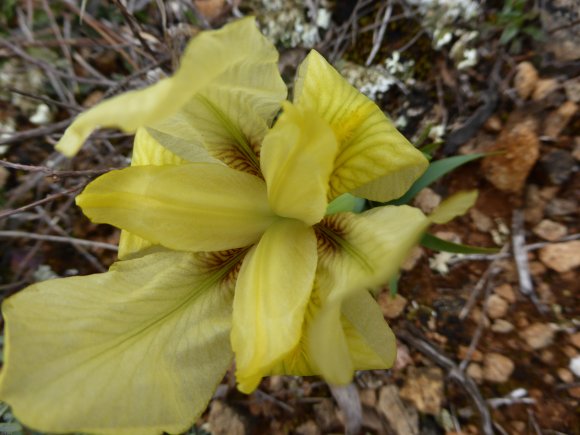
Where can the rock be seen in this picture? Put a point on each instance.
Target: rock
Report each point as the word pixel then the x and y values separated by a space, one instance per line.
pixel 525 79
pixel 565 375
pixel 570 351
pixel 4 174
pixel 497 368
pixel 493 124
pixel 572 89
pixel 424 388
pixel 558 119
pixel 547 356
pixel 502 326
pixel 508 171
pixel 413 258
pixel 403 419
pixel 575 365
pixel 574 392
pixel 427 200
pixel 558 18
pixel 223 420
pixel 575 339
pixel 561 207
pixel 210 9
pixel 561 257
pixel 326 416
pixel 544 88
pixel 538 335
pixel 506 291
pixel 535 205
pixel 481 221
pixel 475 371
pixel 403 357
pixel 276 383
pixel 475 356
pixel 537 268
pixel 557 166
pixel 496 306
pixel 368 397
pixel 392 307
pixel 307 428
pixel 550 230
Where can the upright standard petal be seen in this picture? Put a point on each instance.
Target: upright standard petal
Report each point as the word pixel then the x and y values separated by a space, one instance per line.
pixel 272 292
pixel 231 115
pixel 297 160
pixel 139 349
pixel 191 207
pixel 208 56
pixel 374 160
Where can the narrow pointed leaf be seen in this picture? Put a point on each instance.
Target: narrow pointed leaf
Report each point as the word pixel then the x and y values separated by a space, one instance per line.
pixel 432 242
pixel 456 205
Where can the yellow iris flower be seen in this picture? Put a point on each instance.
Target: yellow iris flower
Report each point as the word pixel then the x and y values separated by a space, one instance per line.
pixel 227 248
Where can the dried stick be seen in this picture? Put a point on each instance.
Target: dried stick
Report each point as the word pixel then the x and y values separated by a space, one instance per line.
pixel 51 172
pixel 521 259
pixel 58 239
pixel 49 198
pixel 379 36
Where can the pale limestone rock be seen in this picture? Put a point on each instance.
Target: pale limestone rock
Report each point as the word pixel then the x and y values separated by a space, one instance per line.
pixel 496 306
pixel 497 368
pixel 525 79
pixel 538 335
pixel 561 257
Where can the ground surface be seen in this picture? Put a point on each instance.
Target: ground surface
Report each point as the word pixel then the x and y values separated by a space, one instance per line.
pixel 487 342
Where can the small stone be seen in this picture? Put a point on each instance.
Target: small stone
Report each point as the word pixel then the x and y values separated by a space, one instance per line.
pixel 223 420
pixel 326 416
pixel 496 307
pixel 506 291
pixel 538 335
pixel 368 397
pixel 575 365
pixel 575 339
pixel 392 307
pixel 545 293
pixel 210 9
pixel 4 174
pixel 508 171
pixel 570 351
pixel 424 388
pixel 475 356
pixel 565 375
pixel 544 87
pixel 574 392
pixel 519 427
pixel 561 207
pixel 478 316
pixel 493 124
pixel 307 428
pixel 549 379
pixel 561 257
pixel 403 357
pixel 537 268
pixel 547 356
pixel 276 383
pixel 427 200
pixel 525 79
pixel 402 419
pixel 475 371
pixel 557 166
pixel 572 89
pixel 497 368
pixel 413 258
pixel 482 221
pixel 550 230
pixel 502 326
pixel 559 119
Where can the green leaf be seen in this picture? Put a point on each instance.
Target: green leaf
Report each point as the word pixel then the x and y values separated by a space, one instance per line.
pixel 394 285
pixel 508 34
pixel 435 171
pixel 429 149
pixel 432 242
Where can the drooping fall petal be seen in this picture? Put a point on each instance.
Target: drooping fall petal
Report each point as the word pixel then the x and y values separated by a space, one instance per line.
pixel 139 349
pixel 191 207
pixel 210 55
pixel 297 159
pixel 374 160
pixel 272 292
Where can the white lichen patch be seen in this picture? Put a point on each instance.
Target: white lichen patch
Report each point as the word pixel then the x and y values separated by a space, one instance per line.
pixel 14 74
pixel 378 79
pixel 42 115
pixel 292 23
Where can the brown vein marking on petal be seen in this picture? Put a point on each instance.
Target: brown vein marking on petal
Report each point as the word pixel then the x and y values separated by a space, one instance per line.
pixel 235 159
pixel 225 263
pixel 331 235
